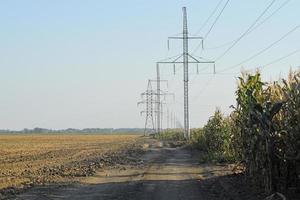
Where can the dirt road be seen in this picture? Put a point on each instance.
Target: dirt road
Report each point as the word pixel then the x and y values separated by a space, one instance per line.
pixel 165 173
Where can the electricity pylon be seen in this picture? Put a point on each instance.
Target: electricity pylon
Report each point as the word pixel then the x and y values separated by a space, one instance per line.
pixel 160 102
pixel 149 101
pixel 165 102
pixel 152 106
pixel 185 58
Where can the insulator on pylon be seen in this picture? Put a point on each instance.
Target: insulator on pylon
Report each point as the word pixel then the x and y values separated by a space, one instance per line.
pixel 168 45
pixel 174 69
pixel 197 69
pixel 202 44
pixel 214 68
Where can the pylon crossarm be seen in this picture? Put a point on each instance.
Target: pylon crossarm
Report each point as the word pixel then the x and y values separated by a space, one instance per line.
pixel 201 58
pixel 198 61
pixel 151 92
pixel 145 102
pixel 189 37
pixel 160 80
pixel 177 58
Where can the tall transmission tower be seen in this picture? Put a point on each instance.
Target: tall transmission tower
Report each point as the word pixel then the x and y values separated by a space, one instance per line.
pixel 185 58
pixel 158 108
pixel 153 106
pixel 186 74
pixel 160 100
pixel 148 102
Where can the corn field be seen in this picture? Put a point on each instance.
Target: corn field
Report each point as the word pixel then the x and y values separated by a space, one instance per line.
pixel 262 132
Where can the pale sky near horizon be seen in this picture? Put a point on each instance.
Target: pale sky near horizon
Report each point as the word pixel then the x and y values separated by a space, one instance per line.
pixel 83 64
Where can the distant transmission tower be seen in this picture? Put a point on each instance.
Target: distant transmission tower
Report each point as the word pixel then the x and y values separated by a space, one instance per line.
pixel 149 101
pixel 185 58
pixel 160 100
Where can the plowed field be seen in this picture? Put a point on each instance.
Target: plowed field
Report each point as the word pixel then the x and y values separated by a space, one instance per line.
pixel 29 159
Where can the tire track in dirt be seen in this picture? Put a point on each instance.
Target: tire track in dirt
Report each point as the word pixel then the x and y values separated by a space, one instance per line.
pixel 166 173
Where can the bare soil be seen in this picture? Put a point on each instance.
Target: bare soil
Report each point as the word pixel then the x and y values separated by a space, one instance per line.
pixel 160 173
pixel 30 160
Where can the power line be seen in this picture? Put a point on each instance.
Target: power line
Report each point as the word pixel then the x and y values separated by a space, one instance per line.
pixel 255 27
pixel 279 59
pixel 221 45
pixel 212 26
pixel 209 81
pixel 210 16
pixel 214 23
pixel 195 77
pixel 269 63
pixel 263 50
pixel 246 32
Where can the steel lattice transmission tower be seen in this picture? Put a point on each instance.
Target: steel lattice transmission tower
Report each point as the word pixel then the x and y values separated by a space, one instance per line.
pixel 153 106
pixel 158 106
pixel 186 74
pixel 160 100
pixel 185 58
pixel 148 102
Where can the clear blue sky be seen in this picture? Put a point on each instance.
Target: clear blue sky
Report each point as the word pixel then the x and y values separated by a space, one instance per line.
pixel 83 64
